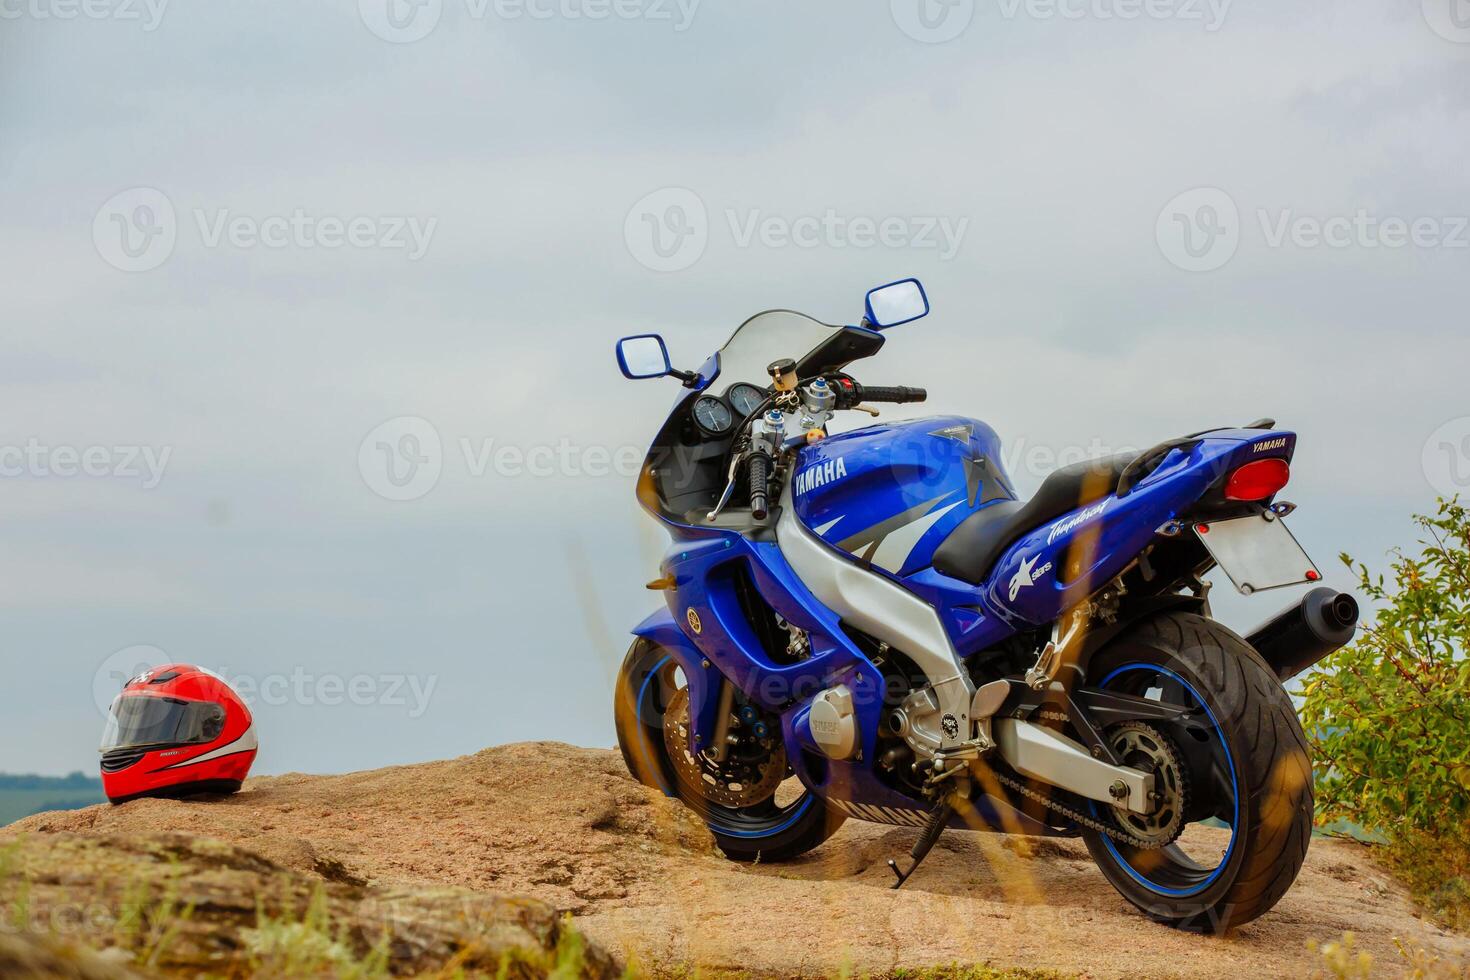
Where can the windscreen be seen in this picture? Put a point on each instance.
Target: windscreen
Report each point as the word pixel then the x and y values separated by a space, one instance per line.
pixel 138 721
pixel 768 337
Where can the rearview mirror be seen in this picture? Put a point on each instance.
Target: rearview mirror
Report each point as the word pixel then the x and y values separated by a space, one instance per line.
pixel 896 303
pixel 644 356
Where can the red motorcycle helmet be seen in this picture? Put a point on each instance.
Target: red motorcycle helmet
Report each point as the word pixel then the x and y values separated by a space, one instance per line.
pixel 175 731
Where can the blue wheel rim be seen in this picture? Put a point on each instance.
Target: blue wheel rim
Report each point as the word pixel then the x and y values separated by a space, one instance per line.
pixel 1122 860
pixel 785 817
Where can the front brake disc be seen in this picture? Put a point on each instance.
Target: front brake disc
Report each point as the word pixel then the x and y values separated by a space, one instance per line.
pixel 740 781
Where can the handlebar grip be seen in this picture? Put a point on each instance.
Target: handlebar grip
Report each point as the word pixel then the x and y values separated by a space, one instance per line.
pixel 898 394
pixel 760 471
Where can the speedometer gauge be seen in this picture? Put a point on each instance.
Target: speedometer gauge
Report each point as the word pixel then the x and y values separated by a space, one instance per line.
pixel 745 399
pixel 712 416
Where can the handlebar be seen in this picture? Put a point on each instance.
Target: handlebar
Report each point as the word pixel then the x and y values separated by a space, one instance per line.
pixel 850 393
pixel 897 394
pixel 759 471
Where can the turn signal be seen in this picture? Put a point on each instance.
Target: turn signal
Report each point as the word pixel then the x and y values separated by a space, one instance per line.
pixel 1258 480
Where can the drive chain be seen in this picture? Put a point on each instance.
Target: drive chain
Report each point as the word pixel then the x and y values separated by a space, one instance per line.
pixel 1066 811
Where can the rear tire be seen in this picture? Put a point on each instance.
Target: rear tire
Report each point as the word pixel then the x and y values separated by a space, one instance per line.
pixel 1270 775
pixel 766 832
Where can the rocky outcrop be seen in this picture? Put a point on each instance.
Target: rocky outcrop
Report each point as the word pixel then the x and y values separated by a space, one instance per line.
pixel 430 853
pixel 179 903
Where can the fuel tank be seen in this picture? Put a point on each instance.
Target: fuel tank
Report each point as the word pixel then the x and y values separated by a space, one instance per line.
pixel 888 494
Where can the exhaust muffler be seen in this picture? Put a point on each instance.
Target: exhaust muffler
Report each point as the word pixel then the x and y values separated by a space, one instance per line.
pixel 1300 635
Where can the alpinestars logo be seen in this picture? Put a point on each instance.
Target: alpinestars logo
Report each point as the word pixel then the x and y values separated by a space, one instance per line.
pixel 820 475
pixel 1028 575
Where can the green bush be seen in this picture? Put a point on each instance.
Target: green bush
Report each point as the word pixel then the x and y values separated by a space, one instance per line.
pixel 1390 716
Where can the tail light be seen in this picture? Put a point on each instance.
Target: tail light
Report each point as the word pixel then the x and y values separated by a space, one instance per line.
pixel 1257 480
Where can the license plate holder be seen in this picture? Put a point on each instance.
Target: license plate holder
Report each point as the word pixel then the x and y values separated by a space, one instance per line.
pixel 1257 553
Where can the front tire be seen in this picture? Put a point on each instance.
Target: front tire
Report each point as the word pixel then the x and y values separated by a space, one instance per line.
pixel 1249 769
pixel 647 687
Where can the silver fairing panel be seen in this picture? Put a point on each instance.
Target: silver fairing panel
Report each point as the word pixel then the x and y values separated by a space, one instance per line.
pixel 881 609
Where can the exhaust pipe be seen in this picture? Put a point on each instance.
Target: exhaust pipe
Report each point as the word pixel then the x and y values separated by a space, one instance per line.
pixel 1300 635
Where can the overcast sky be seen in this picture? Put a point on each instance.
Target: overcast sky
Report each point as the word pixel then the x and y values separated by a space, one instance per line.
pixel 253 252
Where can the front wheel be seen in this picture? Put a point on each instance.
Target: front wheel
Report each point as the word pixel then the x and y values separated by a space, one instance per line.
pixel 1234 812
pixel 750 806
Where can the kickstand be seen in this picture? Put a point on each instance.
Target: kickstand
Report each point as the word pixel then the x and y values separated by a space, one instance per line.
pixel 938 820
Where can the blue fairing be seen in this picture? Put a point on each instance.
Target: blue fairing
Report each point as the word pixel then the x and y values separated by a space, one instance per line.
pixel 889 494
pixel 912 482
pixel 1063 561
pixel 882 498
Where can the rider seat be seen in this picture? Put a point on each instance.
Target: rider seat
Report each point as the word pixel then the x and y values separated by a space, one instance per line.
pixel 977 543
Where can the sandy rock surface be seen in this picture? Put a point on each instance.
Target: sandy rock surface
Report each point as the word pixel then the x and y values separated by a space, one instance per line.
pixel 568 826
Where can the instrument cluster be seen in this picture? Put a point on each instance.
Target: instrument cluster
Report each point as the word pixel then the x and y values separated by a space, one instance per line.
pixel 716 416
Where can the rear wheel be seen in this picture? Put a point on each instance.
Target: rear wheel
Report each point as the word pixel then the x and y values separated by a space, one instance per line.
pixel 1233 817
pixel 747 800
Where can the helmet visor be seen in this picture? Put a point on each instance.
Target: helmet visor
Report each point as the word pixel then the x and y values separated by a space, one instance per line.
pixel 138 721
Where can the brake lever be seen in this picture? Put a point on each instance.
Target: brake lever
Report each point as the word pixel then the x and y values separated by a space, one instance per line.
pixel 735 460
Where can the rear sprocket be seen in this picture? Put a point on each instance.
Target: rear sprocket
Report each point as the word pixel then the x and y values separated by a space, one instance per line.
pixel 1141 746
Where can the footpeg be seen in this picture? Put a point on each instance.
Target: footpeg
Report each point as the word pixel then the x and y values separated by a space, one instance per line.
pixel 927 838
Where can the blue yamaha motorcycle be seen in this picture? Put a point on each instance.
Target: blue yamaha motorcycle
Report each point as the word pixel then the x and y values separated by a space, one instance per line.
pixel 873 625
